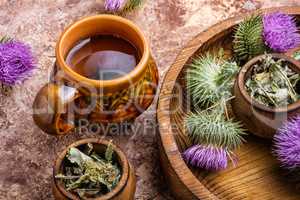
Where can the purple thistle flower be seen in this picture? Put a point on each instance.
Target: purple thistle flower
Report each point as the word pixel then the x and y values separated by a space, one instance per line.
pixel 207 157
pixel 16 61
pixel 287 144
pixel 280 32
pixel 113 5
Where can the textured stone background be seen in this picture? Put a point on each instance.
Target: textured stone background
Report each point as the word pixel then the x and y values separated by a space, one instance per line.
pixel 26 153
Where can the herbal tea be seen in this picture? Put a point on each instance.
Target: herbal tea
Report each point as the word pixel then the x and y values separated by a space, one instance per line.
pixel 103 57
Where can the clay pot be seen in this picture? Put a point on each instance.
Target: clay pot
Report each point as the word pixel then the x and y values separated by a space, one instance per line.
pixel 259 119
pixel 125 188
pixel 105 101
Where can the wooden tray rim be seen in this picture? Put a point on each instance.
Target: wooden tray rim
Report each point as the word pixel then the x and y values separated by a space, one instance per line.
pixel 163 116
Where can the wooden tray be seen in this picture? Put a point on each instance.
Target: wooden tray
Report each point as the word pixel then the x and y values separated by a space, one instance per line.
pixel 257 176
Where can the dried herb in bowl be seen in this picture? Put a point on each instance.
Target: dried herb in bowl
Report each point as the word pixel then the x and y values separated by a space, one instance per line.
pixel 273 83
pixel 88 174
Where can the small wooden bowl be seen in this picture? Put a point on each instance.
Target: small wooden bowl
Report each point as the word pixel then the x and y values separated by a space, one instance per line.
pixel 257 175
pixel 260 119
pixel 125 188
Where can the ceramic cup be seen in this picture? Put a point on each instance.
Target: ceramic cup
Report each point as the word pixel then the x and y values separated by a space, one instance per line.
pixel 260 119
pixel 69 95
pixel 125 189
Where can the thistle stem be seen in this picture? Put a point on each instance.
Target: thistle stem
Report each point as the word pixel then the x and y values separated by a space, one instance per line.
pixel 225 110
pixel 217 104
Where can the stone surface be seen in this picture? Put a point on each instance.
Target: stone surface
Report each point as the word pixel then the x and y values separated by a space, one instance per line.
pixel 27 154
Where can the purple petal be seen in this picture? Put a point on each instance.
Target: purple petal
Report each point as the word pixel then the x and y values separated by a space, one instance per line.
pixel 287 144
pixel 16 61
pixel 280 32
pixel 113 5
pixel 207 157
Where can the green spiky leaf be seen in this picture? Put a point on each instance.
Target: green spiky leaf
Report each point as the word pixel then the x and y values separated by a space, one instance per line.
pixel 248 39
pixel 132 4
pixel 210 79
pixel 5 39
pixel 212 128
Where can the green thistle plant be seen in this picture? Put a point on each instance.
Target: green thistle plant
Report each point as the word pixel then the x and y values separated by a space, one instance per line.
pixel 132 4
pixel 210 79
pixel 212 128
pixel 248 40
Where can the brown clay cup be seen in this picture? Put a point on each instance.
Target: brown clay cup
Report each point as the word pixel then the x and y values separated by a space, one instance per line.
pixel 69 94
pixel 125 189
pixel 257 118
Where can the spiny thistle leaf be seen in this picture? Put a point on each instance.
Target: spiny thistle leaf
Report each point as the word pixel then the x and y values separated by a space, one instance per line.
pixel 210 79
pixel 227 75
pixel 211 128
pixel 248 40
pixel 132 4
pixel 5 39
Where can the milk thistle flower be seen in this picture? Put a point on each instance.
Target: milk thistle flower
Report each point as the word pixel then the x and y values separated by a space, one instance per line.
pixel 16 61
pixel 206 157
pixel 122 5
pixel 114 5
pixel 287 144
pixel 280 32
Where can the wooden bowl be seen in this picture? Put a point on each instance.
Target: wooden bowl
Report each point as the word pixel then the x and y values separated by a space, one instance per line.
pixel 257 175
pixel 259 119
pixel 125 188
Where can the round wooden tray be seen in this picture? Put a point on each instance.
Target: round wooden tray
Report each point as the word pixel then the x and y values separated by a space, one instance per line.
pixel 257 176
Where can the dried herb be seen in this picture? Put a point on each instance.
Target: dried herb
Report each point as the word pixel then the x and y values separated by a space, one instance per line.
pixel 273 83
pixel 89 174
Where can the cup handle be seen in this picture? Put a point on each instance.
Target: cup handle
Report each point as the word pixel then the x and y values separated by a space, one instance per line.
pixel 50 111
